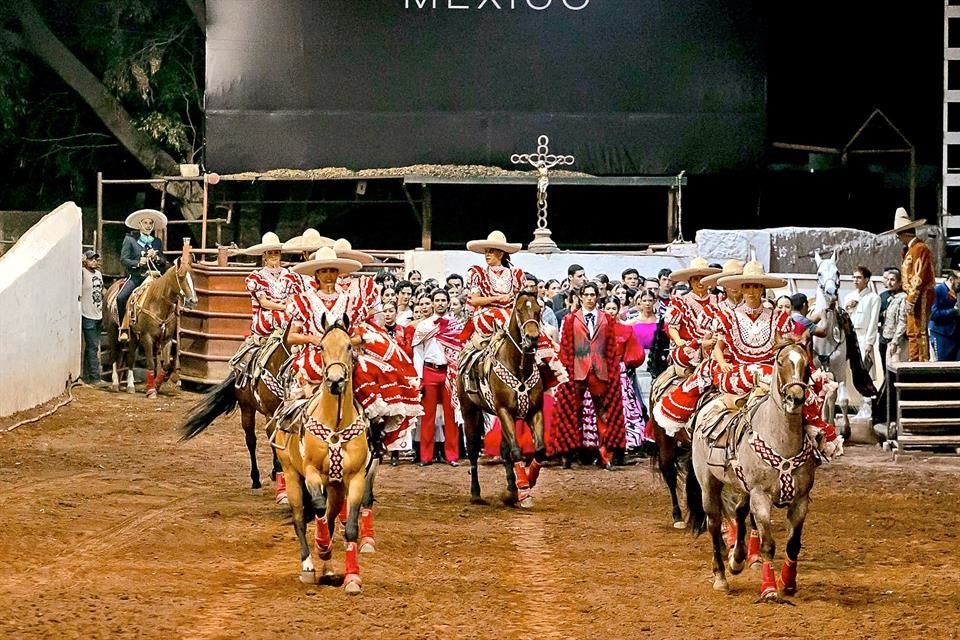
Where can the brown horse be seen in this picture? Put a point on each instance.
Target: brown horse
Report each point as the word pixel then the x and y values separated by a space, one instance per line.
pixel 669 447
pixel 261 393
pixel 504 379
pixel 153 324
pixel 326 461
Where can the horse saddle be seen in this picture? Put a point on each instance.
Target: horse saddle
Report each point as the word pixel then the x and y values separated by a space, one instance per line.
pixel 133 302
pixel 476 362
pixel 672 375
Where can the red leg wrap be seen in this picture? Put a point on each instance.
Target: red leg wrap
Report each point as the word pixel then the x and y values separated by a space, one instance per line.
pixel 366 523
pixel 730 530
pixel 768 583
pixel 523 482
pixel 788 577
pixel 151 383
pixel 533 472
pixel 753 548
pixel 161 378
pixel 322 537
pixel 281 483
pixel 350 564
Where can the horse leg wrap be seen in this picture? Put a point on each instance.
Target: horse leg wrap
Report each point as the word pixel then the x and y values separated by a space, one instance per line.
pixel 322 538
pixel 768 583
pixel 351 565
pixel 366 527
pixel 523 483
pixel 753 548
pixel 281 489
pixel 788 576
pixel 151 382
pixel 533 472
pixel 729 529
pixel 342 516
pixel 161 378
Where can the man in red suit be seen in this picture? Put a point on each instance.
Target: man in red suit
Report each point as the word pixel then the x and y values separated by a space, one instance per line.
pixel 588 348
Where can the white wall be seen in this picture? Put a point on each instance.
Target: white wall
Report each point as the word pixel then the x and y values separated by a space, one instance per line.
pixel 40 311
pixel 437 264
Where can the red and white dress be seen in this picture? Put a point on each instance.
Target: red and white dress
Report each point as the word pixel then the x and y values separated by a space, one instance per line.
pixel 692 317
pixel 298 282
pixel 384 379
pixel 274 284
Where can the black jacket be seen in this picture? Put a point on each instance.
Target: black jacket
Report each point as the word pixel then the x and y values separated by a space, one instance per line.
pixel 132 251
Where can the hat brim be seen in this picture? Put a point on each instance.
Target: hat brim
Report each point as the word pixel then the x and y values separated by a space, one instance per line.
pixel 262 248
pixel 343 265
pixel 481 246
pixel 133 220
pixel 359 256
pixel 298 244
pixel 711 281
pixel 684 275
pixel 770 282
pixel 913 225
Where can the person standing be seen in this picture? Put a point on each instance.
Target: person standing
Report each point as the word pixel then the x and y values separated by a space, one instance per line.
pixel 918 280
pixel 944 319
pixel 893 332
pixel 863 305
pixel 91 316
pixel 588 348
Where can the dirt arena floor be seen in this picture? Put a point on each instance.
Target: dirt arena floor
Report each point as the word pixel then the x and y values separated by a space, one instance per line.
pixel 112 529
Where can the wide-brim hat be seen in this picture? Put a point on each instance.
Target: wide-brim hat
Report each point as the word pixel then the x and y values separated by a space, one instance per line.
pixel 730 268
pixel 310 240
pixel 133 220
pixel 345 250
pixel 326 258
pixel 902 222
pixel 753 273
pixel 269 242
pixel 496 240
pixel 698 267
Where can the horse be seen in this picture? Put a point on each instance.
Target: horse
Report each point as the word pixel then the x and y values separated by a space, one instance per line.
pixel 504 379
pixel 840 345
pixel 327 459
pixel 761 454
pixel 260 393
pixel 153 323
pixel 670 449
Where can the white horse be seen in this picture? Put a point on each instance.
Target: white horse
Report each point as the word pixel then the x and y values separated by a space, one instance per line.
pixel 833 351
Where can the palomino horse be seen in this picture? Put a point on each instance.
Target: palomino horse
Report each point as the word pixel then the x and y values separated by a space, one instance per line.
pixel 153 323
pixel 763 455
pixel 261 393
pixel 504 379
pixel 326 461
pixel 840 345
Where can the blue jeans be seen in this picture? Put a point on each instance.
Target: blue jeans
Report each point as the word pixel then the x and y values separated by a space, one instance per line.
pixel 91 349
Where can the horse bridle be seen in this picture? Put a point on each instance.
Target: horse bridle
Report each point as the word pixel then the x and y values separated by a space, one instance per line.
pixel 346 373
pixel 782 388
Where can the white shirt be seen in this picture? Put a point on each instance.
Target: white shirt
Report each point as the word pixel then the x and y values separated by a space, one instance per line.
pixel 865 316
pixel 426 347
pixel 405 317
pixel 91 295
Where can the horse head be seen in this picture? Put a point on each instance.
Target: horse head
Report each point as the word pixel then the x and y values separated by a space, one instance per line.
pixel 337 352
pixel 526 315
pixel 791 377
pixel 184 267
pixel 828 276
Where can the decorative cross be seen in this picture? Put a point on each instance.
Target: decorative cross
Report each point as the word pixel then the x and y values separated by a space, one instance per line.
pixel 542 161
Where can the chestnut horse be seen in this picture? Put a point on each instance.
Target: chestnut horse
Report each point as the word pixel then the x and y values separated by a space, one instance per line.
pixel 505 380
pixel 153 324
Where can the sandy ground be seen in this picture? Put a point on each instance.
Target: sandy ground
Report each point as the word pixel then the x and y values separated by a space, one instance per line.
pixel 110 528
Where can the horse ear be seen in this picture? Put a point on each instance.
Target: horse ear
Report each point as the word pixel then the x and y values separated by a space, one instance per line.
pixel 817 258
pixel 346 322
pixel 323 322
pixel 833 258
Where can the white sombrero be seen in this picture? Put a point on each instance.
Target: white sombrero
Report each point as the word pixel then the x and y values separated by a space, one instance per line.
pixel 496 240
pixel 269 242
pixel 326 258
pixel 159 220
pixel 345 250
pixel 753 273
pixel 311 240
pixel 698 267
pixel 730 268
pixel 902 222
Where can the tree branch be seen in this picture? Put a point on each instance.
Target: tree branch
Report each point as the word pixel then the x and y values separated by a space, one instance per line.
pixel 198 7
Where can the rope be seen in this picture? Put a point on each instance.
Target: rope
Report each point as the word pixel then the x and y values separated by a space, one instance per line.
pixel 70 385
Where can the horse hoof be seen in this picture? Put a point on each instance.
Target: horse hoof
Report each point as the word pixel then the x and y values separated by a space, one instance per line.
pixel 679 524
pixel 352 584
pixel 367 545
pixel 478 501
pixel 735 567
pixel 756 564
pixel 509 499
pixel 282 499
pixel 256 485
pixel 527 503
pixel 789 590
pixel 115 388
pixel 308 577
pixel 131 389
pixel 719 584
pixel 151 394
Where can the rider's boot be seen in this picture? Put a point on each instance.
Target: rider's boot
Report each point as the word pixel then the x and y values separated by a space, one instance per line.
pixel 125 328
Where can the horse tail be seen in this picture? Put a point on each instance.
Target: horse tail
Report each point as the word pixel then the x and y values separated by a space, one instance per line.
pixel 859 375
pixel 220 401
pixel 696 516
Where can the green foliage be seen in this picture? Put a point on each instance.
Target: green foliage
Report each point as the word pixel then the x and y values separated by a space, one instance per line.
pixel 148 53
